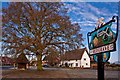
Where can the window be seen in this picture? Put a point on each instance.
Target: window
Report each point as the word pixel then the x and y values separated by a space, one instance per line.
pixel 84 59
pixel 86 63
pixel 76 64
pixel 71 64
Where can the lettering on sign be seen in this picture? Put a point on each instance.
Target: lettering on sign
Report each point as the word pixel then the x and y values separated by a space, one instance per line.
pixel 102 49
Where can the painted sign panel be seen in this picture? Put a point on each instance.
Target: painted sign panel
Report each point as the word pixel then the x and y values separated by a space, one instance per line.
pixel 106 57
pixel 104 38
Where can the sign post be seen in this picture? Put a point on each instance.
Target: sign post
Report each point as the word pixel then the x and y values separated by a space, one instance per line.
pixel 100 67
pixel 102 41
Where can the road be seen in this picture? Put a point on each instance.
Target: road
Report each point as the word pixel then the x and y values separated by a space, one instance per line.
pixel 57 73
pixel 85 73
pixel 6 67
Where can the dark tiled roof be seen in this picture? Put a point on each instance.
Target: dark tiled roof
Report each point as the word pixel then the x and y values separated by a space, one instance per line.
pixel 22 59
pixel 73 55
pixel 49 57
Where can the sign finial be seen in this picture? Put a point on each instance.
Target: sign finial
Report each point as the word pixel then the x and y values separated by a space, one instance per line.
pixel 100 22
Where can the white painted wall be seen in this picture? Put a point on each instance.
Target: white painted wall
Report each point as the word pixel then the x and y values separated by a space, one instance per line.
pixel 73 62
pixel 85 63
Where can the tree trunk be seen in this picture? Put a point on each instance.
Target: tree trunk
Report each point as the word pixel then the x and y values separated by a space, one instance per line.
pixel 39 62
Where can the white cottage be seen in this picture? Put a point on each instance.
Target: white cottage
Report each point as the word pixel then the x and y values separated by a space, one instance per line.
pixel 76 58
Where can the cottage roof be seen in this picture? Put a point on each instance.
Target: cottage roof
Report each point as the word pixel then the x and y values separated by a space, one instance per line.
pixel 22 58
pixel 51 57
pixel 73 55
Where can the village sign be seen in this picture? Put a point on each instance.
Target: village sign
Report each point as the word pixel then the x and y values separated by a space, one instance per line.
pixel 102 41
pixel 103 38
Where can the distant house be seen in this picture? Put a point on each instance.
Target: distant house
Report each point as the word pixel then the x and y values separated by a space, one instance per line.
pixel 51 60
pixel 6 60
pixel 22 61
pixel 76 58
pixel 33 62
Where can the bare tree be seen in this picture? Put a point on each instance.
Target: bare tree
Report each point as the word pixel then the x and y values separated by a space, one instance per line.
pixel 34 27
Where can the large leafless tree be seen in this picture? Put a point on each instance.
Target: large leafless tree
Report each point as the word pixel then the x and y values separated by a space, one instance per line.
pixel 35 26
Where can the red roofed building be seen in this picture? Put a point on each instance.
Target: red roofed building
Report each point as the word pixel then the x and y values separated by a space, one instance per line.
pixel 6 60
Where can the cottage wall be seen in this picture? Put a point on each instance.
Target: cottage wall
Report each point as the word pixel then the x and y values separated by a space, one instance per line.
pixel 74 63
pixel 85 60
